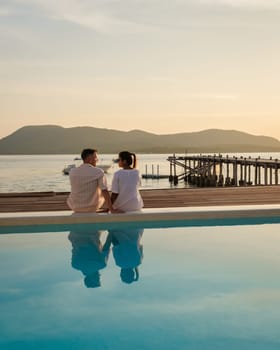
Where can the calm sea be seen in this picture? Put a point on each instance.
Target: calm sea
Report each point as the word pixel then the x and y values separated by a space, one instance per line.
pixel 32 173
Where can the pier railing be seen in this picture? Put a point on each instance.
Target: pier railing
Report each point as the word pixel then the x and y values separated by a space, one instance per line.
pixel 218 170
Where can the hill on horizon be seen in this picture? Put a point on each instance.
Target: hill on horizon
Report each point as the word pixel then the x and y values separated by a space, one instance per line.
pixel 53 139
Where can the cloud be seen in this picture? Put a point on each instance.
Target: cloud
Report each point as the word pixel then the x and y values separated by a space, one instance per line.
pixel 133 16
pixel 217 96
pixel 246 4
pixel 100 16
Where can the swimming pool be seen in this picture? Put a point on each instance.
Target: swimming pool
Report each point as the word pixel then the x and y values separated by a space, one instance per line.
pixel 133 286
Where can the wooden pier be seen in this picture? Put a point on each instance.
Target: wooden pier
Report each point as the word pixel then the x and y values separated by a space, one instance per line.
pixel 161 198
pixel 219 171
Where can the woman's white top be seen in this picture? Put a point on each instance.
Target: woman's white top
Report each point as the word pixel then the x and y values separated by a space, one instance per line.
pixel 126 184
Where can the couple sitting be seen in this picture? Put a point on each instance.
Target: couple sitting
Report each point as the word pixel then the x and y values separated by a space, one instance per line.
pixel 89 189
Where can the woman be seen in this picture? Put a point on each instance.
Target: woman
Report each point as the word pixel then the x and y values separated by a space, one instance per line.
pixel 127 251
pixel 126 181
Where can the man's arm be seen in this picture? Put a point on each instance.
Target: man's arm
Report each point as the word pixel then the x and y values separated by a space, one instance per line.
pixel 108 201
pixel 103 185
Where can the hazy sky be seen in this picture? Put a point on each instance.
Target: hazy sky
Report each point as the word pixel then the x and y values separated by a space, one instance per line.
pixel 156 65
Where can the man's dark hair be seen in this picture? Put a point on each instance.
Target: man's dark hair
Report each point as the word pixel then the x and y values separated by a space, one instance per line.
pixel 87 152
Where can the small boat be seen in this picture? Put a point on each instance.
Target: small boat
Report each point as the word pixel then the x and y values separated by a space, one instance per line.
pixel 104 167
pixel 68 168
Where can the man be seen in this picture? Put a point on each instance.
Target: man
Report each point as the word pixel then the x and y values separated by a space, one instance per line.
pixel 89 188
pixel 88 255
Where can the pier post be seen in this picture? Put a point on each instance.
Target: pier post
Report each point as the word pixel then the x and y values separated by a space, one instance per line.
pixel 241 181
pixel 175 178
pixel 245 173
pixel 214 177
pixel 256 174
pixel 227 180
pixel 270 175
pixel 249 175
pixel 260 175
pixel 193 173
pixel 265 175
pixel 221 177
pixel 276 175
pixel 208 183
pixel 170 172
pixel 235 173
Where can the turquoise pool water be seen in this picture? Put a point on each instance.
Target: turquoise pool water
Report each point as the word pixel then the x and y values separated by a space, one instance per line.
pixel 129 287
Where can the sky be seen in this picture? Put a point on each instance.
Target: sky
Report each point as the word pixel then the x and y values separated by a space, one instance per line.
pixel 156 65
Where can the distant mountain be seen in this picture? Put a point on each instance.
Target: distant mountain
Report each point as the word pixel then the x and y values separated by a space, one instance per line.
pixel 52 139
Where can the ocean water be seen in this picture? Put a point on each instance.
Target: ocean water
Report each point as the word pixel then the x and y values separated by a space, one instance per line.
pixel 32 173
pixel 176 288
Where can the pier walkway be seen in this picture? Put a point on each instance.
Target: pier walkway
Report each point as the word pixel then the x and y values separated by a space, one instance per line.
pixel 162 198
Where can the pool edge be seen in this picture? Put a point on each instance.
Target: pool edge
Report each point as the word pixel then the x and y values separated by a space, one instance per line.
pixel 168 214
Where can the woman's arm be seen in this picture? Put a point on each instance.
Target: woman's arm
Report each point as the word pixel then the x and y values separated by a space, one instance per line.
pixel 114 196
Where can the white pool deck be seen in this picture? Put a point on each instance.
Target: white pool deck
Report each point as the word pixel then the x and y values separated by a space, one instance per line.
pixel 146 215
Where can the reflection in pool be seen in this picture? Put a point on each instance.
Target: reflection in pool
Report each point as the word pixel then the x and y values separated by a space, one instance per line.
pixel 196 288
pixel 90 255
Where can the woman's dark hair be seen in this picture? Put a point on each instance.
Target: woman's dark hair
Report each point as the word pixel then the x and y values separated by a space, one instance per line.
pixel 87 152
pixel 129 157
pixel 129 275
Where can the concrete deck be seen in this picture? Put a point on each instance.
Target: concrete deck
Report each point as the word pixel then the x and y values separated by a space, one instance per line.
pixel 147 215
